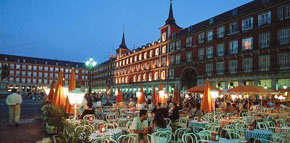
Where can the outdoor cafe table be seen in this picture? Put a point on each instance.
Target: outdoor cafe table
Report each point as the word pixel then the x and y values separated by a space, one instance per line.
pixel 224 140
pixel 261 134
pixel 112 133
pixel 225 122
pixel 196 125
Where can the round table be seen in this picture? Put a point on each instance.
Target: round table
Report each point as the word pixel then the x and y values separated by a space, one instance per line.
pixel 112 133
pixel 196 125
pixel 224 140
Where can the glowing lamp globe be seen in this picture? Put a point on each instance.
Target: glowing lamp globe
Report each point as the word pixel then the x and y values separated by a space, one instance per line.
pixel 214 94
pixel 138 94
pixel 76 97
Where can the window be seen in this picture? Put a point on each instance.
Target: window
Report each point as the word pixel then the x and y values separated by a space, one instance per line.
pixel 45 68
pixel 17 73
pixel 56 69
pixel 156 75
pixel 135 59
pixel 264 18
pixel 29 67
pixel 189 56
pixel 131 58
pixel 284 12
pixel 40 68
pixel 40 81
pixel 17 66
pixel 247 23
pixel 171 73
pixel 144 77
pixel 51 69
pixel 220 49
pixel 211 21
pixel 145 56
pixel 201 37
pixel 23 67
pixel 284 36
pixel 34 67
pixel 264 62
pixel 163 49
pixel 233 47
pixel 157 51
pixel 172 46
pixel 284 60
pixel 34 80
pixel 163 73
pixel 12 66
pixel 29 74
pixel 178 45
pixel 234 12
pixel 28 80
pixel 264 40
pixel 40 74
pixel 23 80
pixel 208 69
pixel 172 59
pixel 209 35
pixel 233 28
pixel 150 54
pixel 140 57
pixel 163 36
pixel 247 64
pixel 220 66
pixel 23 73
pixel 150 77
pixel 164 61
pixel 188 41
pixel 200 53
pixel 45 74
pixel 177 59
pixel 233 66
pixel 34 74
pixel 209 52
pixel 247 44
pixel 221 31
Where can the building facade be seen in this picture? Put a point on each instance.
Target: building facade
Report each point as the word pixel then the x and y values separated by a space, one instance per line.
pixel 248 45
pixel 34 74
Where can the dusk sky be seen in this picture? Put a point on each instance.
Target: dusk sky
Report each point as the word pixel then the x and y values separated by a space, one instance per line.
pixel 75 30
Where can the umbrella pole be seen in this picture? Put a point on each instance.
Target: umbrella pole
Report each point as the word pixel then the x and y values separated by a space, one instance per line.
pixel 248 102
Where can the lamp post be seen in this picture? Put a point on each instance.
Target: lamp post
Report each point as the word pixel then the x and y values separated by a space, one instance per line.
pixel 75 98
pixel 214 94
pixel 90 64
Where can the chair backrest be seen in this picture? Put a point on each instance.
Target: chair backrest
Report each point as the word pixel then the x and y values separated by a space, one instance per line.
pixel 129 138
pixel 97 124
pixel 189 138
pixel 168 121
pixel 183 120
pixel 179 133
pixel 233 135
pixel 204 135
pixel 262 125
pixel 111 125
pixel 103 140
pixel 89 117
pixel 123 122
pixel 161 135
pixel 110 117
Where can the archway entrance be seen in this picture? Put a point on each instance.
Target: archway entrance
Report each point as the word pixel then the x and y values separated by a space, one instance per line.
pixel 188 78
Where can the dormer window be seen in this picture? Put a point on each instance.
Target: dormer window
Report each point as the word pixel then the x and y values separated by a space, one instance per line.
pixel 157 51
pixel 234 12
pixel 18 60
pixel 24 60
pixel 56 64
pixel 211 21
pixel 163 36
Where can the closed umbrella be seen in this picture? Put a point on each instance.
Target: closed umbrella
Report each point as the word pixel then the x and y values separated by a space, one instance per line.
pixel 159 100
pixel 141 99
pixel 71 86
pixel 154 97
pixel 59 98
pixel 51 92
pixel 200 89
pixel 206 104
pixel 119 97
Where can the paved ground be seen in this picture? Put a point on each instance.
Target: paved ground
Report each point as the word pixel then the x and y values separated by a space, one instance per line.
pixel 30 128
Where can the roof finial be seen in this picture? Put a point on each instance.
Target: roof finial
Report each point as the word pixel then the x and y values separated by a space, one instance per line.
pixel 123 44
pixel 170 19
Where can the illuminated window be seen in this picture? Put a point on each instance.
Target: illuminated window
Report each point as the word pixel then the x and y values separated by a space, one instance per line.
pixel 233 47
pixel 156 75
pixel 163 49
pixel 157 51
pixel 188 41
pixel 209 35
pixel 163 75
pixel 247 43
pixel 140 57
pixel 201 37
pixel 178 45
pixel 151 54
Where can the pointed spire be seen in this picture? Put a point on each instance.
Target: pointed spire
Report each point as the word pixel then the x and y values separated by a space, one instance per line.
pixel 170 19
pixel 123 44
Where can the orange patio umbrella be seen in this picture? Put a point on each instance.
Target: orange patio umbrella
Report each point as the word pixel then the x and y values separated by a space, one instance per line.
pixel 154 98
pixel 59 98
pixel 201 89
pixel 249 89
pixel 206 104
pixel 176 98
pixel 119 97
pixel 141 99
pixel 71 86
pixel 158 96
pixel 51 92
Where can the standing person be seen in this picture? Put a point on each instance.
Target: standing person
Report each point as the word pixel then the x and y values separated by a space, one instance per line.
pixel 13 101
pixel 140 125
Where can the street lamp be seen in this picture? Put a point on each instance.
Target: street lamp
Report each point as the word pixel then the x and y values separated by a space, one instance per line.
pixel 75 98
pixel 90 64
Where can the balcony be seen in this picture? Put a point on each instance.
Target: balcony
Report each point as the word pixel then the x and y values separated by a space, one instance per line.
pixel 264 68
pixel 220 35
pixel 264 22
pixel 247 69
pixel 264 44
pixel 200 57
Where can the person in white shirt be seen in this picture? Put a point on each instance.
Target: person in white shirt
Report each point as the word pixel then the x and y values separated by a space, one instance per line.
pixel 131 103
pixel 13 101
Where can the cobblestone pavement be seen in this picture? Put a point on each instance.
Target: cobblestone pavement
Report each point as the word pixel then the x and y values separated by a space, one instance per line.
pixel 30 128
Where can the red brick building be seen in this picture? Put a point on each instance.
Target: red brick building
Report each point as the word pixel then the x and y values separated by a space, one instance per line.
pixel 248 45
pixel 28 73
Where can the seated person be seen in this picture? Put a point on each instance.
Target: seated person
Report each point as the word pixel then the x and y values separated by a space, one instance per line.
pixel 131 103
pixel 158 122
pixel 89 110
pixel 229 108
pixel 175 113
pixel 198 113
pixel 140 125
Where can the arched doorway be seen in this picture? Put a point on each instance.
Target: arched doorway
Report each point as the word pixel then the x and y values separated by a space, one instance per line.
pixel 188 78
